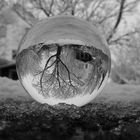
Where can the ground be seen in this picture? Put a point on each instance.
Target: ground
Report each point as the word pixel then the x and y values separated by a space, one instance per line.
pixel 113 115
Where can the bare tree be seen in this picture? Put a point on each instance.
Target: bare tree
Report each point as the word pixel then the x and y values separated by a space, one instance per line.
pixel 109 14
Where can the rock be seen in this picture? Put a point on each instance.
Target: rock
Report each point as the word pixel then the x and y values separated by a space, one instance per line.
pixel 32 120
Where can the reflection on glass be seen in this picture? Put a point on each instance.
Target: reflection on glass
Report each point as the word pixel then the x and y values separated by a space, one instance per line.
pixel 63 70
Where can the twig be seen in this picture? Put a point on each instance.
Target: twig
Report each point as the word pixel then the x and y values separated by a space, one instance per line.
pixel 117 21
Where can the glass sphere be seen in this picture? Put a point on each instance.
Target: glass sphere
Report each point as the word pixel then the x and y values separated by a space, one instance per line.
pixel 63 59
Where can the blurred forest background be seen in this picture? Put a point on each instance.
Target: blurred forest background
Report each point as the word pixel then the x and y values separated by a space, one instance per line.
pixel 118 19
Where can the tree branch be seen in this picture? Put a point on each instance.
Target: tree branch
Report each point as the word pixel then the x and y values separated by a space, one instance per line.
pixel 123 37
pixel 95 6
pixel 43 9
pixel 21 12
pixel 73 7
pixel 51 5
pixel 117 21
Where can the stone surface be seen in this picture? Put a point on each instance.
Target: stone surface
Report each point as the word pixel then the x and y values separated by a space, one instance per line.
pixel 31 120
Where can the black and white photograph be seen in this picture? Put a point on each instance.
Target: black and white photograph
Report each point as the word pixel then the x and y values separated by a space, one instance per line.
pixel 69 70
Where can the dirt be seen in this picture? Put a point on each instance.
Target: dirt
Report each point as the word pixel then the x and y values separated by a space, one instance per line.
pixel 20 120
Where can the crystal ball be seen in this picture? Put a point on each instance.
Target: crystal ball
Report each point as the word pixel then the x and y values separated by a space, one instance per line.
pixel 63 59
